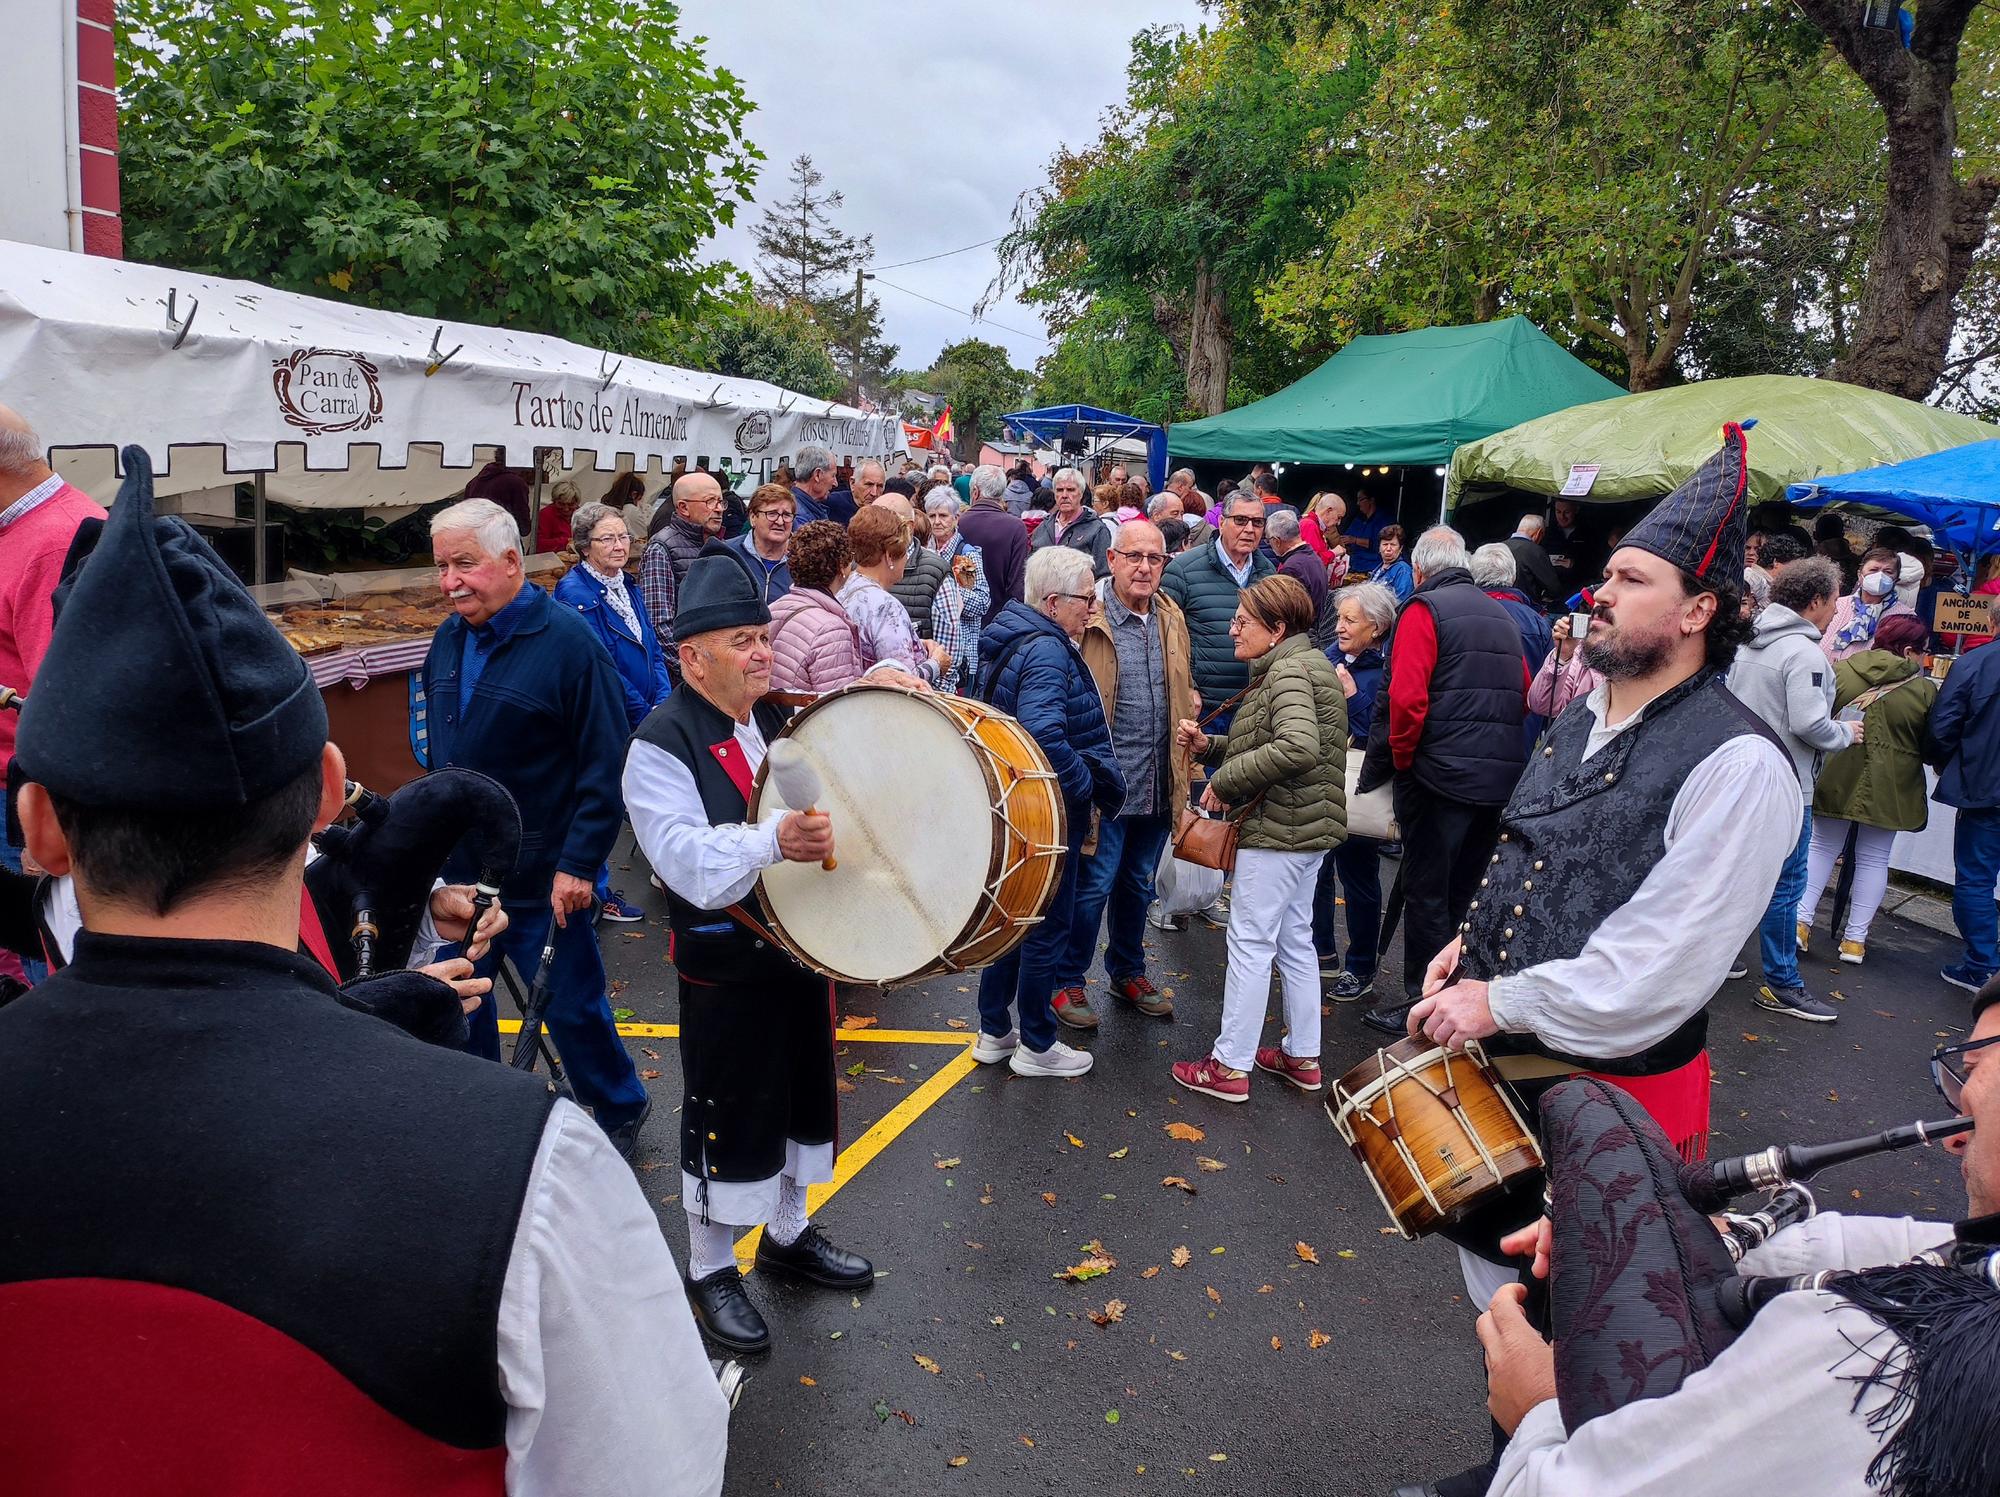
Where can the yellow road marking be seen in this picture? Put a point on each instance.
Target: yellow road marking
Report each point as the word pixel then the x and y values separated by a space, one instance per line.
pixel 859 1154
pixel 845 1036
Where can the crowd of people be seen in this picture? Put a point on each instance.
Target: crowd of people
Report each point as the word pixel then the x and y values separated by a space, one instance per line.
pixel 1606 760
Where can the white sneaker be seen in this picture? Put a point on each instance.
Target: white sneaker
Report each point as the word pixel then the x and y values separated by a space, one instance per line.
pixel 1058 1060
pixel 1161 921
pixel 991 1047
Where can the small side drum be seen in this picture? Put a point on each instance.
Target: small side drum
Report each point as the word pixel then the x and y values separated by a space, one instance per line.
pixel 1436 1131
pixel 948 836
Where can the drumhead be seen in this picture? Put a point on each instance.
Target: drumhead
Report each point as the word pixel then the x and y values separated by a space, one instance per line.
pixel 913 837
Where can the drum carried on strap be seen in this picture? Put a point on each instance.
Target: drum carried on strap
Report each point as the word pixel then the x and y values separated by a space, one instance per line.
pixel 949 833
pixel 1437 1133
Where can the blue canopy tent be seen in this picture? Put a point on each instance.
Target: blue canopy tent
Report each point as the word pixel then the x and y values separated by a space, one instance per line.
pixel 1052 422
pixel 1956 492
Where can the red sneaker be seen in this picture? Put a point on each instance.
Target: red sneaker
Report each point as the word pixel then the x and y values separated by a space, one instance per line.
pixel 1303 1074
pixel 1073 1009
pixel 1212 1078
pixel 1142 995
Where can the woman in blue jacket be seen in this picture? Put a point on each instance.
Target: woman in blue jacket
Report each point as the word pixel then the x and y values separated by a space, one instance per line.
pixel 610 602
pixel 1030 667
pixel 1367 612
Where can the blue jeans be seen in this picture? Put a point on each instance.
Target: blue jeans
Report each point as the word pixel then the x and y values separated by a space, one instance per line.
pixel 579 1019
pixel 1777 933
pixel 1118 879
pixel 1357 865
pixel 36 972
pixel 1025 978
pixel 1976 854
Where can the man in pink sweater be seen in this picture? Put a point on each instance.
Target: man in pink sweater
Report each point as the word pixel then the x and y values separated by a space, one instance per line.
pixel 39 516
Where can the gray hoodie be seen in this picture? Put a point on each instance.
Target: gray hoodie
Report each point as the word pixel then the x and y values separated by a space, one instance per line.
pixel 1784 677
pixel 1016 498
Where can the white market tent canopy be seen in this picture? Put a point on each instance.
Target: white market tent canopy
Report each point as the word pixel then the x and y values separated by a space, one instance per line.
pixel 347 407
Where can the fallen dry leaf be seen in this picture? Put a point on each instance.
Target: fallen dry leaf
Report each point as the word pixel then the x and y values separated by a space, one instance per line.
pixel 1317 1339
pixel 649 1075
pixel 1186 1132
pixel 1276 1344
pixel 1092 1267
pixel 1113 1311
pixel 1027 1442
pixel 1119 1153
pixel 1265 1288
pixel 1178 1183
pixel 892 1080
pixel 958 1460
pixel 1178 1356
pixel 947 1164
pixel 926 1363
pixel 841 1083
pixel 1346 1253
pixel 1305 1252
pixel 1212 1293
pixel 1180 1257
pixel 1074 1141
pixel 1212 1166
pixel 1147 1273
pixel 1048 1198
pixel 652 1054
pixel 809 1382
pixel 956 1024
pixel 857 1021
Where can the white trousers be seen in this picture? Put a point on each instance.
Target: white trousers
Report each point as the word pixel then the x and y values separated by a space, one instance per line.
pixel 1270 920
pixel 1871 872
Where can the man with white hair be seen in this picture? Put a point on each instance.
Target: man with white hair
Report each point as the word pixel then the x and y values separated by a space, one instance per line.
pixel 1450 741
pixel 1493 570
pixel 521 689
pixel 1073 523
pixel 865 487
pixel 1534 573
pixel 1001 537
pixel 39 517
pixel 812 481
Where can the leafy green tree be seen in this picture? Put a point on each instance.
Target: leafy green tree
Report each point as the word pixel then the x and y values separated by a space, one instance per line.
pixel 754 340
pixel 979 382
pixel 552 165
pixel 1224 162
pixel 1114 357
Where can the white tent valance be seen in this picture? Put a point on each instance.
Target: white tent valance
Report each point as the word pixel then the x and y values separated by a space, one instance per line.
pixel 99 353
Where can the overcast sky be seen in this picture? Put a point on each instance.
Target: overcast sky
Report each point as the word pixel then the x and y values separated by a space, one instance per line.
pixel 931 119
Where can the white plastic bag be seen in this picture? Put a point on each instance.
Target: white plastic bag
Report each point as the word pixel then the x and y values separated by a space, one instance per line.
pixel 1184 887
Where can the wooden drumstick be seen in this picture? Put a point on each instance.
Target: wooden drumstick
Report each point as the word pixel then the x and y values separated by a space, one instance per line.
pixel 798 782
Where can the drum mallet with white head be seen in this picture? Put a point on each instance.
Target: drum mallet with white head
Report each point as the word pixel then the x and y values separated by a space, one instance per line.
pixel 797 781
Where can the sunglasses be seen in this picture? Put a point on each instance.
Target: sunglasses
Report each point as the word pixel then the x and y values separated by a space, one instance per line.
pixel 1949 1070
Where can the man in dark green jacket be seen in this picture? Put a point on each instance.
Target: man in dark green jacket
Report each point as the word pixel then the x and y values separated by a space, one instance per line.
pixel 1204 583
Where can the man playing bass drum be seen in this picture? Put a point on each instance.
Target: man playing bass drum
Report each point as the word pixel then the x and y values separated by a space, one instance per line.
pixel 1886 1381
pixel 1634 857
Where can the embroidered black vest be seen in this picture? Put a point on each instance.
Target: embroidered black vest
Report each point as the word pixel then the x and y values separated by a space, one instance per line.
pixel 712 946
pixel 1577 840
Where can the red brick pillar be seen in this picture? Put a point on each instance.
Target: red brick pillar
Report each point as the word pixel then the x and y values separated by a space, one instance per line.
pixel 97 128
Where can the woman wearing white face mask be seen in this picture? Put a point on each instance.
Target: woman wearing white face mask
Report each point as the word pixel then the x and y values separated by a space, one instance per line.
pixel 1856 616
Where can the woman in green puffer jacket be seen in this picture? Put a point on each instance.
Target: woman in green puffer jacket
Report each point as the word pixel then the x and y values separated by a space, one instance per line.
pixel 1877 786
pixel 1283 771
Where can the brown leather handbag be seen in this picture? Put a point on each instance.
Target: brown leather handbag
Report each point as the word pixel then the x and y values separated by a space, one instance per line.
pixel 1210 841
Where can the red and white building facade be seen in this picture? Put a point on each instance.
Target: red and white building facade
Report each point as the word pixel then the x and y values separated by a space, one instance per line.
pixel 59 177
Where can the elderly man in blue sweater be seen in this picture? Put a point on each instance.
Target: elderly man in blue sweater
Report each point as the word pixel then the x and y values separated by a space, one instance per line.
pixel 522 690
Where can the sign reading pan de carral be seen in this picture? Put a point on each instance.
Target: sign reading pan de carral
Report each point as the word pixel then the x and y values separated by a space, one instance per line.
pixel 322 390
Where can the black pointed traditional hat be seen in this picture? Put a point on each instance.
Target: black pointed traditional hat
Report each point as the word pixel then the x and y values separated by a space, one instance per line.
pixel 1701 526
pixel 719 592
pixel 164 687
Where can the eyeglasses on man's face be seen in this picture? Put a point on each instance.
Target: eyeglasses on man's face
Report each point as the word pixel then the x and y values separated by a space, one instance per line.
pixel 1254 522
pixel 1951 1065
pixel 777 516
pixel 1142 558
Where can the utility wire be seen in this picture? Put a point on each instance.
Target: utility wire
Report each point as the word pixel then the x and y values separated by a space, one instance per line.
pixel 969 316
pixel 947 254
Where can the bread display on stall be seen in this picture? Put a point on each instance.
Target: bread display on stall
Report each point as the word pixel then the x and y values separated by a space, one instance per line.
pixel 356 610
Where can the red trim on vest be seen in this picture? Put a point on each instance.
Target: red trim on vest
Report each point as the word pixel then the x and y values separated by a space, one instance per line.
pixel 312 935
pixel 730 756
pixel 1677 1100
pixel 110 1385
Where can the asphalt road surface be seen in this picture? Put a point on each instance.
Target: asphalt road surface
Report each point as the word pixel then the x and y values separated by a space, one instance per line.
pixel 971 1366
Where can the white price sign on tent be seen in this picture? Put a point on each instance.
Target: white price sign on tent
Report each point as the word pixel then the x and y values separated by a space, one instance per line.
pixel 1581 477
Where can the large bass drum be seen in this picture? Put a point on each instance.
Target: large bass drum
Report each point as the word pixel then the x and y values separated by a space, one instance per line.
pixel 948 835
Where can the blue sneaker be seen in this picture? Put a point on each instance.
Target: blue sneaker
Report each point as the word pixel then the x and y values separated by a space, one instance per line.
pixel 620 909
pixel 1964 975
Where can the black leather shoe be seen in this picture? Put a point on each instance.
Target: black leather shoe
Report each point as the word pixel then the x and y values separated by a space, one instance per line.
pixel 725 1314
pixel 1390 1018
pixel 815 1259
pixel 625 1136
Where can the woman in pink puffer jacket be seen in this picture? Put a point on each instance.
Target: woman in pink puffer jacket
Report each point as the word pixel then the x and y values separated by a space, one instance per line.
pixel 814 644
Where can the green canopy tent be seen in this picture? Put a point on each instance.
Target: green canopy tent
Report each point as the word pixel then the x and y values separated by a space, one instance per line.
pixel 1641 446
pixel 1407 398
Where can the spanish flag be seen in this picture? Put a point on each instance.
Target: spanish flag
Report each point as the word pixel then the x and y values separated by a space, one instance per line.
pixel 941 434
